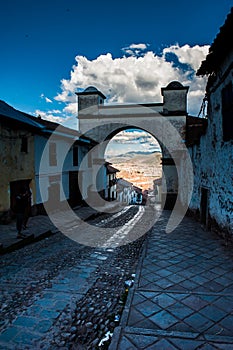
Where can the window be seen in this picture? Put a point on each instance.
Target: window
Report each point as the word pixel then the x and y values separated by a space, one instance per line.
pixel 227 112
pixel 52 154
pixel 75 156
pixel 24 144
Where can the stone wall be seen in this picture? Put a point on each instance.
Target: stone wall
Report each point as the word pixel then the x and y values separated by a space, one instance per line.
pixel 15 163
pixel 213 162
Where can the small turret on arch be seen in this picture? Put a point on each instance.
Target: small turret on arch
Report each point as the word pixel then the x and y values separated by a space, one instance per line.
pixel 90 97
pixel 165 121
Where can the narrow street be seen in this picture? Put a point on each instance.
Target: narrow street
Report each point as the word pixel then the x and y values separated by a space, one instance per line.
pixel 56 292
pixel 161 291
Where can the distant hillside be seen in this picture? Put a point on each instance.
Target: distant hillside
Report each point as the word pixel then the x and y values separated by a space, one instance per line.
pixel 133 156
pixel 140 168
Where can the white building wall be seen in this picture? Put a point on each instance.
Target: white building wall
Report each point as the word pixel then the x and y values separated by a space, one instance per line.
pixel 86 174
pixel 213 159
pixel 47 175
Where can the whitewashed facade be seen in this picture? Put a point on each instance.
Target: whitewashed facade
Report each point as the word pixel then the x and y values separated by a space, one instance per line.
pixel 125 191
pixel 212 157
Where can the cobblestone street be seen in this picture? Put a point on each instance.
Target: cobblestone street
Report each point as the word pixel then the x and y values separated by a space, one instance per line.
pixel 57 293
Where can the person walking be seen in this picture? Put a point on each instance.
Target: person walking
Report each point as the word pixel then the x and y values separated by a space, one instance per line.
pixel 20 206
pixel 28 199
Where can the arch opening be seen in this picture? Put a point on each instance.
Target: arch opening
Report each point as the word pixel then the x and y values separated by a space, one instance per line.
pixel 135 154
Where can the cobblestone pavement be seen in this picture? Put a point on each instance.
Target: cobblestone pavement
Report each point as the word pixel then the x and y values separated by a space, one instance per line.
pixel 183 294
pixel 40 226
pixel 57 293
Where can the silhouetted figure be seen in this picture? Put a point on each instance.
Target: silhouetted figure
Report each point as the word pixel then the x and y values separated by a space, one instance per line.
pixel 19 209
pixel 27 197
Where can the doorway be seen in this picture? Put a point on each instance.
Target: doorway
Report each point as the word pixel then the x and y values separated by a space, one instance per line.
pixel 75 196
pixel 16 187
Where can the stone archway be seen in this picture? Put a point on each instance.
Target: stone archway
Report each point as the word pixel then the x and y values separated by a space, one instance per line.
pixel 166 122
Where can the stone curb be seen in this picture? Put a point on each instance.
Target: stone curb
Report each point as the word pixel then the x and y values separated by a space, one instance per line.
pixel 26 241
pixel 124 317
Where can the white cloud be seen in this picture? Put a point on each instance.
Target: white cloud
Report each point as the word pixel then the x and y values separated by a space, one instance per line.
pixel 132 141
pixel 67 120
pixel 128 51
pixel 55 111
pixel 71 108
pixel 190 55
pixel 132 138
pixel 138 46
pixel 135 49
pixel 48 100
pixel 137 79
pixel 49 116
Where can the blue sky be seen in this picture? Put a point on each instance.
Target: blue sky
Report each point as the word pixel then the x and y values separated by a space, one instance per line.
pixel 49 49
